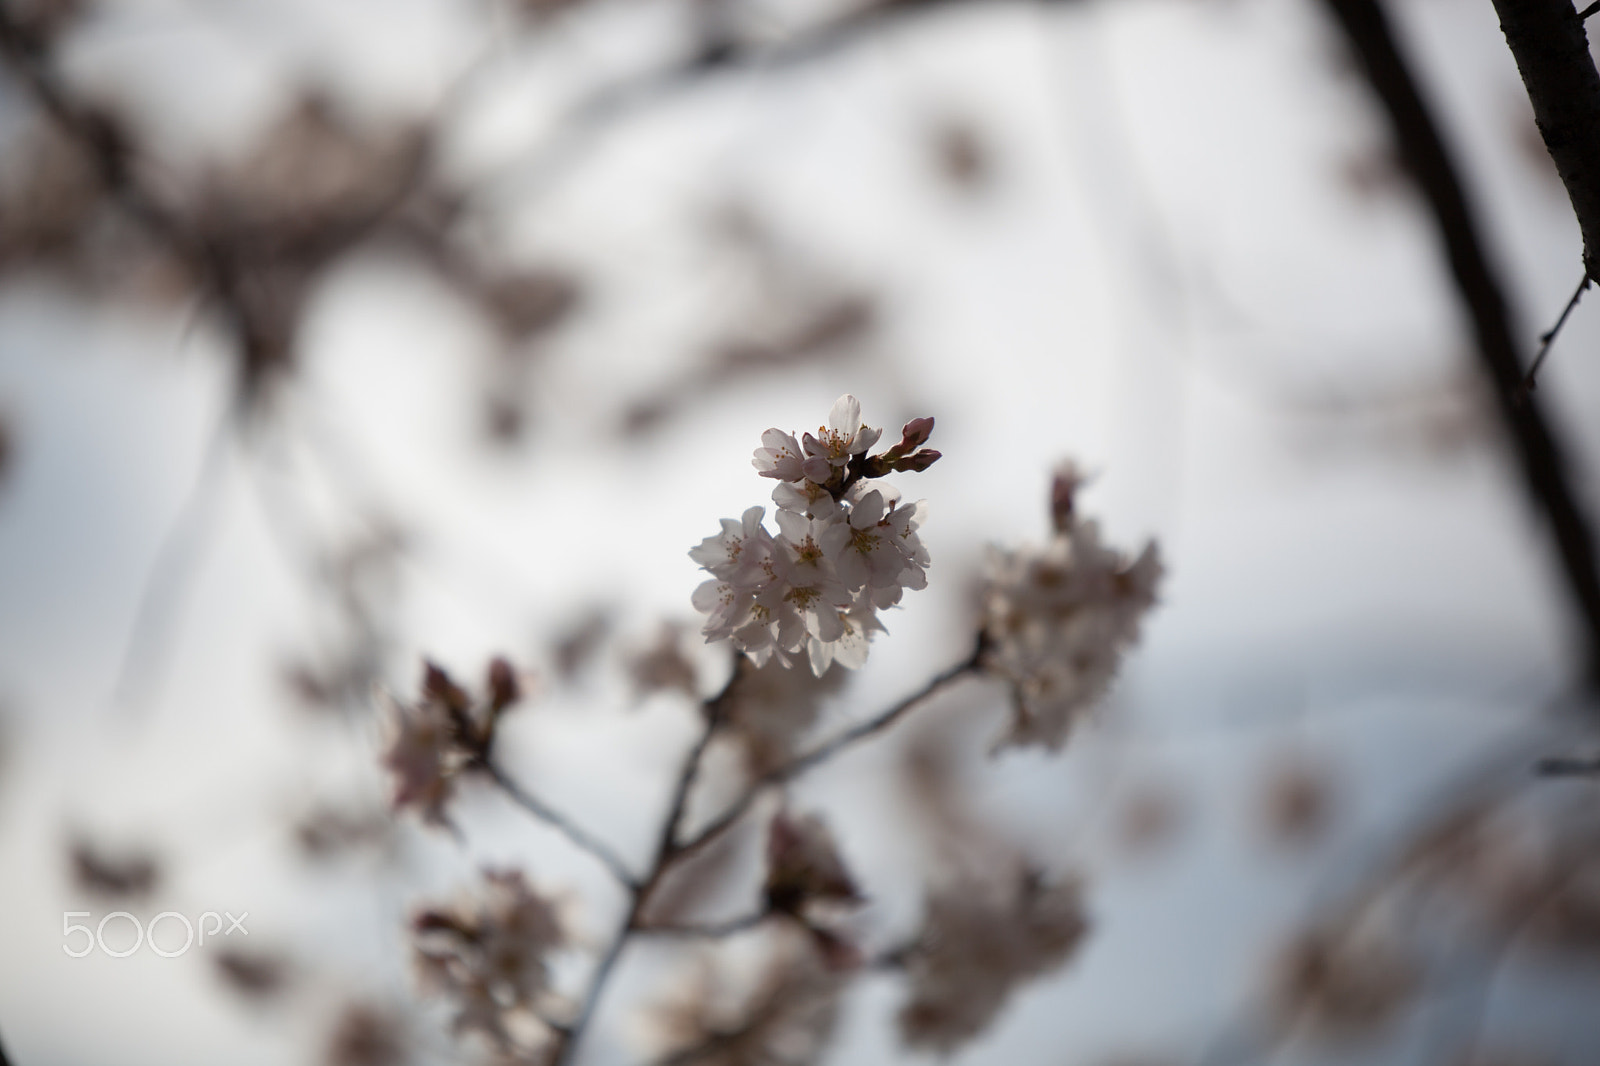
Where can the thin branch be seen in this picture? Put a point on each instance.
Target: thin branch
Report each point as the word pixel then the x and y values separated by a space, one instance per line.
pixel 579 836
pixel 707 930
pixel 1424 155
pixel 1549 337
pixel 800 764
pixel 567 1040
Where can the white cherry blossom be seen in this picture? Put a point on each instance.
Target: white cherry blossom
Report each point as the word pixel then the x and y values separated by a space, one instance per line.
pixel 845 436
pixel 780 457
pixel 846 548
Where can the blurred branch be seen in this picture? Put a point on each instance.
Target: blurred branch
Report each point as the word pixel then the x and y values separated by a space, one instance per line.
pixel 1422 151
pixel 166 582
pixel 1548 41
pixel 236 269
pixel 799 765
pixel 567 1040
pixel 708 930
pixel 669 850
pixel 563 825
pixel 718 55
pixel 1564 766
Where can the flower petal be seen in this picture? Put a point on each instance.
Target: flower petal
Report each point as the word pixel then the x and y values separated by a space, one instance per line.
pixel 845 418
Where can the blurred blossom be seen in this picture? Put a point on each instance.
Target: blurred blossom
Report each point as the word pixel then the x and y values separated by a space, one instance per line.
pixel 1059 619
pixel 961 154
pixel 118 874
pixel 1150 817
pixel 1342 986
pixel 252 975
pixel 367 1036
pixel 788 1014
pixel 581 640
pixel 490 957
pixel 663 666
pixel 1298 801
pixel 978 943
pixel 804 866
pixel 770 709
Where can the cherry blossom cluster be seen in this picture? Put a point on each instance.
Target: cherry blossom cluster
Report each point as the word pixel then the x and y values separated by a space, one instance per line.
pixel 846 546
pixel 1058 619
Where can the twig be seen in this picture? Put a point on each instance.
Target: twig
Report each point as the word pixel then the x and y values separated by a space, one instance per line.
pixel 562 824
pixel 707 930
pixel 795 767
pixel 1423 153
pixel 567 1040
pixel 1548 338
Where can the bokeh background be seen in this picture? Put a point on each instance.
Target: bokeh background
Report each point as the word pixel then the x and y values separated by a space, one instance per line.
pixel 584 252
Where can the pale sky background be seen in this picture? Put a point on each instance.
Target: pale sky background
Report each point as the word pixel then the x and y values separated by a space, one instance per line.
pixel 1168 280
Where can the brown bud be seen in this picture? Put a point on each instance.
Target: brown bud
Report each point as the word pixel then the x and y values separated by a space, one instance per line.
pixel 1063 493
pixel 803 864
pixel 437 685
pixel 502 685
pixel 913 435
pixel 918 461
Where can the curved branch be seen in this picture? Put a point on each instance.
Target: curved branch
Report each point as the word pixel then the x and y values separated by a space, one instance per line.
pixel 1422 151
pixel 800 764
pixel 563 825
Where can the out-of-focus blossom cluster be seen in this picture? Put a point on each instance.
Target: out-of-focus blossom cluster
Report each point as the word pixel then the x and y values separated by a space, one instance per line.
pixel 491 956
pixel 978 943
pixel 787 1014
pixel 846 546
pixel 1058 619
pixel 443 735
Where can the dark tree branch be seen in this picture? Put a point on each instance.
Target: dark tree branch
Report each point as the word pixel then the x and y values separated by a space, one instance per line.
pixel 1547 39
pixel 1423 153
pixel 1530 382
